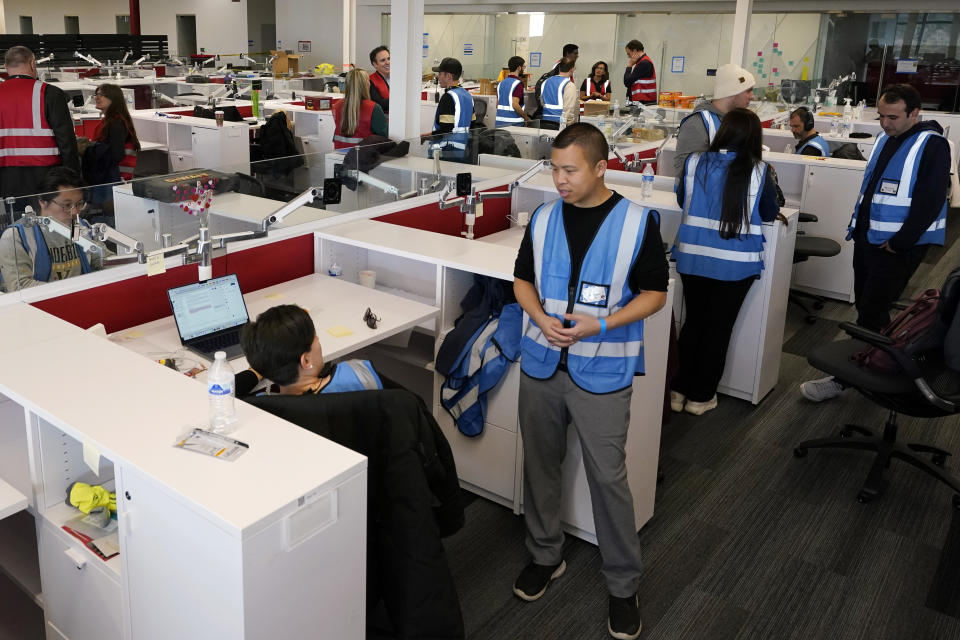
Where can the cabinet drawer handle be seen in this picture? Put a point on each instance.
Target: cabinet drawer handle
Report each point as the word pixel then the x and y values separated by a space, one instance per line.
pixel 77 558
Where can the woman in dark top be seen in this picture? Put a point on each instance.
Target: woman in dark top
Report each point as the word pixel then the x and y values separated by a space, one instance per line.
pixel 112 155
pixel 597 86
pixel 727 194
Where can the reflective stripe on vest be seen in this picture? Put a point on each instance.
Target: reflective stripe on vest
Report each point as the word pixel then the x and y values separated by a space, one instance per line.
pixel 699 249
pixel 353 375
pixel 596 364
pixel 365 117
pixel 711 123
pixel 506 116
pixel 455 142
pixel 26 139
pixel 604 88
pixel 890 205
pixel 129 161
pixel 645 89
pixel 817 143
pixel 551 94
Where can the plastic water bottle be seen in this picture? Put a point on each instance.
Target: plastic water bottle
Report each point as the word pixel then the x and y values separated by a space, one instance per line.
pixel 788 148
pixel 220 391
pixel 334 268
pixel 616 108
pixel 647 189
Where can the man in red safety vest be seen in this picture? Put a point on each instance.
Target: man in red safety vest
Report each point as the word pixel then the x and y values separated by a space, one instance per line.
pixel 640 78
pixel 380 77
pixel 36 128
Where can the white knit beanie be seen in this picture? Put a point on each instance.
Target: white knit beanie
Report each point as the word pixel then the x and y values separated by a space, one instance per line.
pixel 731 80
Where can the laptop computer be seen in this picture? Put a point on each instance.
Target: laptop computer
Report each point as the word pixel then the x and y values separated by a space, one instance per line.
pixel 209 316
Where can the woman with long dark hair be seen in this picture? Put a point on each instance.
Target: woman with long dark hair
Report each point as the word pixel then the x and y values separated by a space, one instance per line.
pixel 727 194
pixel 597 86
pixel 116 130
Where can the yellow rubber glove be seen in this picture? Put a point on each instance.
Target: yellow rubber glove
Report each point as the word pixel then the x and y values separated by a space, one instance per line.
pixel 88 497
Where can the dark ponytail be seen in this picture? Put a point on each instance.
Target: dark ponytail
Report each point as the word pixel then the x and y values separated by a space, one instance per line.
pixel 739 133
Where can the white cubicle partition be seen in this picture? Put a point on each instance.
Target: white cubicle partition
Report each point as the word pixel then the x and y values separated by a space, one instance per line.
pixel 196 143
pixel 208 548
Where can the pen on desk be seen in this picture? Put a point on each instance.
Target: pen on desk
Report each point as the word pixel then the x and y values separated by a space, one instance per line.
pixel 222 437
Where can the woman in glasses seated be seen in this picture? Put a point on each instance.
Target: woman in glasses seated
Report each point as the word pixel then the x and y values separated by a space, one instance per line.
pixel 35 254
pixel 282 346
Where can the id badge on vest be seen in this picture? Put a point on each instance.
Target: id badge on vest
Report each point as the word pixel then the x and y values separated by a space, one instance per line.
pixel 595 295
pixel 889 187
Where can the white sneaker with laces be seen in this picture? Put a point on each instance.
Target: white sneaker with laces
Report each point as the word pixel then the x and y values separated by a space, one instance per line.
pixel 821 389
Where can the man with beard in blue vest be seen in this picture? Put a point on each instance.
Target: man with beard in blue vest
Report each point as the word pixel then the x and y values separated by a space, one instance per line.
pixel 901 211
pixel 590 268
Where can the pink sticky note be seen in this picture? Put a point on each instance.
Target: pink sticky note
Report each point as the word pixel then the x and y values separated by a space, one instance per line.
pixel 759 53
pixel 774 69
pixel 776 45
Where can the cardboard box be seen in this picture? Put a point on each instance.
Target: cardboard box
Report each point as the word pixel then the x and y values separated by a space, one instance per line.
pixel 595 108
pixel 284 63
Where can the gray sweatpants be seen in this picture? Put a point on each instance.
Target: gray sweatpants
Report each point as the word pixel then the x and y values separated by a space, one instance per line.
pixel 601 421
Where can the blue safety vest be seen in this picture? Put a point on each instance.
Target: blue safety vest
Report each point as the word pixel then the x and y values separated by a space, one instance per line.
pixel 698 249
pixel 353 375
pixel 551 94
pixel 596 364
pixel 710 120
pixel 890 205
pixel 42 264
pixel 480 366
pixel 506 116
pixel 455 143
pixel 817 142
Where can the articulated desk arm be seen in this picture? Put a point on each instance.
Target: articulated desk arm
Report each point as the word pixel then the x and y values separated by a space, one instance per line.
pixel 88 58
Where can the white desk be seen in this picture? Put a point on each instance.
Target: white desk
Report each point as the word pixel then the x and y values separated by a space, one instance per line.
pixel 196 143
pixel 208 549
pixel 11 500
pixel 331 302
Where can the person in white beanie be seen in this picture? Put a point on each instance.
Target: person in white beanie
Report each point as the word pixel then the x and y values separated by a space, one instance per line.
pixel 733 89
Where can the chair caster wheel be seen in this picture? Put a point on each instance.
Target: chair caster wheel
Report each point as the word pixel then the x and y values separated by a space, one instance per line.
pixel 939 459
pixel 864 498
pixel 956 502
pixel 800 452
pixel 810 319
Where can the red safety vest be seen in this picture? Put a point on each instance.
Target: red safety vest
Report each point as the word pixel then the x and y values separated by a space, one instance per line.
pixel 363 126
pixel 26 139
pixel 378 81
pixel 645 89
pixel 129 161
pixel 603 89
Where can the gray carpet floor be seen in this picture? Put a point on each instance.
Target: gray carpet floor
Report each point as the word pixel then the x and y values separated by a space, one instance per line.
pixel 748 541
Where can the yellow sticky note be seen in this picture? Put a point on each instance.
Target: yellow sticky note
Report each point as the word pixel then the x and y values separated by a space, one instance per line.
pixel 480 209
pixel 274 296
pixel 339 331
pixel 91 456
pixel 155 264
pixel 131 335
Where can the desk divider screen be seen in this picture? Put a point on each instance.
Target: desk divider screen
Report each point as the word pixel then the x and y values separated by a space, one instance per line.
pixel 431 217
pixel 128 303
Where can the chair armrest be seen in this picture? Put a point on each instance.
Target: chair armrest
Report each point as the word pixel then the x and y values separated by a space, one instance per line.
pixel 869 336
pixel 806 217
pixel 933 398
pixel 900 305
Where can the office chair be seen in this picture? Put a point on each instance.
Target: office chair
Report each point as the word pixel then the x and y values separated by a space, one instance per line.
pixel 927 386
pixel 805 248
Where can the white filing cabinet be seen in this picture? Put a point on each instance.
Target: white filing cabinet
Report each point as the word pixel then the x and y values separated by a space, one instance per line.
pixel 269 545
pixel 197 143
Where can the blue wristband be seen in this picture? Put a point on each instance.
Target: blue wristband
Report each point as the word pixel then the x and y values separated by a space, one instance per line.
pixel 603 327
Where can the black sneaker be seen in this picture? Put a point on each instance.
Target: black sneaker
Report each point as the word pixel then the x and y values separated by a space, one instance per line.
pixel 534 579
pixel 624 622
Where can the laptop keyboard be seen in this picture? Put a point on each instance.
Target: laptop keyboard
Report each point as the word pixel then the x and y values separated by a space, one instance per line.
pixel 218 342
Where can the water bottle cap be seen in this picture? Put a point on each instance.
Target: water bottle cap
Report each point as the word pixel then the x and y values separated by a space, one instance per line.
pixel 220 355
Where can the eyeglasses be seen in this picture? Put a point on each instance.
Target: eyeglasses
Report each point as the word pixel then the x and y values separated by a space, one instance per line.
pixel 76 206
pixel 371 319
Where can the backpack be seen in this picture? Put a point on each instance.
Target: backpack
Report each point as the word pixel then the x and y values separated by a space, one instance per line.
pixel 847 151
pixel 536 92
pixel 907 331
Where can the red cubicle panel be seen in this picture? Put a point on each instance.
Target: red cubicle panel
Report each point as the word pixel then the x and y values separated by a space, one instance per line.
pixel 431 217
pixel 128 303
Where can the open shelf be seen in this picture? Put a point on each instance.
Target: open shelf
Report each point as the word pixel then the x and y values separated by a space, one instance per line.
pixel 60 515
pixel 19 559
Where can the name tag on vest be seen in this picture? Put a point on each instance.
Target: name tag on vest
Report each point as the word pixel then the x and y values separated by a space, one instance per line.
pixel 593 294
pixel 889 187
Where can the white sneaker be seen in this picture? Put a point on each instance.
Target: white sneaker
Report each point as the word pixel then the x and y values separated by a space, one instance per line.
pixel 700 408
pixel 821 389
pixel 676 401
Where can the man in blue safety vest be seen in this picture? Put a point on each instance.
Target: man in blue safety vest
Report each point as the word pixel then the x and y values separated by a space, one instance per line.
pixel 454 113
pixel 590 268
pixel 809 142
pixel 510 111
pixel 901 211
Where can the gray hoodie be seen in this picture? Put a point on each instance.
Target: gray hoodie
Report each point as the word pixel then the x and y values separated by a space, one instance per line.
pixel 16 262
pixel 692 136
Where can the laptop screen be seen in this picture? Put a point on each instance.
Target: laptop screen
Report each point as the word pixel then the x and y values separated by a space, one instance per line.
pixel 206 307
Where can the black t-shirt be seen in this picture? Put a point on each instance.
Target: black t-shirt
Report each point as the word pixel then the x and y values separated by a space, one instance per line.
pixel 648 273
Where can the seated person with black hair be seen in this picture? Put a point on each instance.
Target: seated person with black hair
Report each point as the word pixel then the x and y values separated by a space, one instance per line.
pixel 282 346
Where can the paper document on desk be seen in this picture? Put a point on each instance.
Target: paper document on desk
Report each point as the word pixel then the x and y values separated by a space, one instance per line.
pixel 340 331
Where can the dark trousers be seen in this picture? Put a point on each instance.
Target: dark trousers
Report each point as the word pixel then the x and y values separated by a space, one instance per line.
pixel 712 307
pixel 879 278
